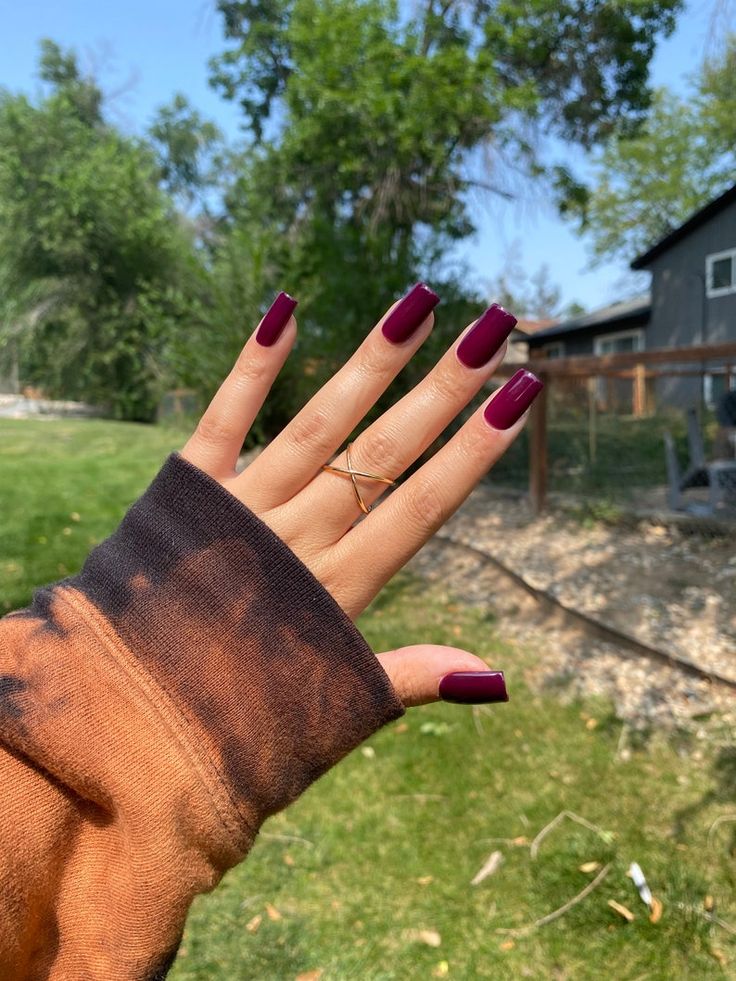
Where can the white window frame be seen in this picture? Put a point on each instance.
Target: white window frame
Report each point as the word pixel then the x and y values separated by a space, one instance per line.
pixel 558 347
pixel 633 332
pixel 709 261
pixel 708 377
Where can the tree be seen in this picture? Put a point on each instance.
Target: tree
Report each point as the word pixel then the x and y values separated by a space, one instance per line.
pixel 367 127
pixel 529 294
pixel 186 145
pixel 91 254
pixel 684 155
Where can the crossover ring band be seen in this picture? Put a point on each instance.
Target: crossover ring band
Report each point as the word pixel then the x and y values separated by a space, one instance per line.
pixel 353 474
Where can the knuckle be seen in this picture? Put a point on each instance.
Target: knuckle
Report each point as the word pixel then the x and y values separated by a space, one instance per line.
pixel 312 432
pixel 380 448
pixel 214 430
pixel 446 384
pixel 248 369
pixel 424 506
pixel 376 362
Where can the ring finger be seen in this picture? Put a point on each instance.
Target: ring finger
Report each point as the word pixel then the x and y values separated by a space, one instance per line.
pixel 422 504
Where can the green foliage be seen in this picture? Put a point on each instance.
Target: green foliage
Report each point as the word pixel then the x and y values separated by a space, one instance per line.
pixel 369 124
pixel 648 183
pixel 90 251
pixel 185 143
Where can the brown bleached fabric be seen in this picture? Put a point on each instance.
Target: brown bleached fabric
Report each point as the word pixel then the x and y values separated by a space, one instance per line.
pixel 191 680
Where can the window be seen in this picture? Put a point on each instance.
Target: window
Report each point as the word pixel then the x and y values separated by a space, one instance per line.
pixel 556 350
pixel 715 386
pixel 720 273
pixel 620 343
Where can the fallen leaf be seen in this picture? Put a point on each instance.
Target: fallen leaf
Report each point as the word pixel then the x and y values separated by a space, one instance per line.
pixel 273 913
pixel 591 723
pixel 288 859
pixel 441 970
pixel 656 915
pixel 425 880
pixel 589 867
pixel 507 945
pixel 429 937
pixel 252 925
pixel 622 910
pixel 310 975
pixel 369 752
pixel 709 904
pixel 521 840
pixel 401 727
pixel 719 956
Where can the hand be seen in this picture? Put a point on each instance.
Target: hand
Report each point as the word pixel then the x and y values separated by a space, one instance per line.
pixel 316 513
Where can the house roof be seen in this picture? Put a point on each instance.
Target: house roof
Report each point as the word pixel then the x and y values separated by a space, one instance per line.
pixel 526 327
pixel 611 315
pixel 700 217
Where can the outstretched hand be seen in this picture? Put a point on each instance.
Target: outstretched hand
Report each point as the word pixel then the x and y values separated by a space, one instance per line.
pixel 317 513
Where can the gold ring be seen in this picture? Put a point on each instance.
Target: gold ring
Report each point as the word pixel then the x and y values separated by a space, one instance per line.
pixel 365 508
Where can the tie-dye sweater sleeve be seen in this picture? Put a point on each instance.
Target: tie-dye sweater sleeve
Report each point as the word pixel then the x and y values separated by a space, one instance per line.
pixel 192 679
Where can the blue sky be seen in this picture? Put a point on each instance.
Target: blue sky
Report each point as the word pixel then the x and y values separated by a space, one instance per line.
pixel 145 51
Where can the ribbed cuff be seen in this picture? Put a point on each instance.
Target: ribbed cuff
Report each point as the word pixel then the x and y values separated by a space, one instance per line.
pixel 235 628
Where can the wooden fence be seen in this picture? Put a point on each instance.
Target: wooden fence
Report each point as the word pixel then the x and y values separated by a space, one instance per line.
pixel 638 366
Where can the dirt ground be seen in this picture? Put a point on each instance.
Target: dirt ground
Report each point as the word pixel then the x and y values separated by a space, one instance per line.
pixel 662 585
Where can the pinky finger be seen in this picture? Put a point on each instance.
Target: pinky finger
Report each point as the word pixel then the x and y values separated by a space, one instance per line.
pixel 417 509
pixel 216 443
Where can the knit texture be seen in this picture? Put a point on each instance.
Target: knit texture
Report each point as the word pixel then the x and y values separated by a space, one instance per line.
pixel 192 679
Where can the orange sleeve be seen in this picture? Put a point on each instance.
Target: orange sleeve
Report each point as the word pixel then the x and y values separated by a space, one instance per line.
pixel 192 679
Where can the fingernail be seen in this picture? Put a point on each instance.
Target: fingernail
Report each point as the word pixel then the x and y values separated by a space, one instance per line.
pixel 512 401
pixel 485 337
pixel 412 311
pixel 474 687
pixel 276 318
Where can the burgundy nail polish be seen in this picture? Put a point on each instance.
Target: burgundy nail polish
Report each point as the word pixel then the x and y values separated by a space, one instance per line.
pixel 474 687
pixel 412 311
pixel 512 401
pixel 485 337
pixel 276 318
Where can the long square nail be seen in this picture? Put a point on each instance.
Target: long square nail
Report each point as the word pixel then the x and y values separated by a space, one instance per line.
pixel 485 337
pixel 513 399
pixel 410 313
pixel 473 687
pixel 276 318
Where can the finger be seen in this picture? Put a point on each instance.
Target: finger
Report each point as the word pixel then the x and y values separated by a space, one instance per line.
pixel 216 443
pixel 416 672
pixel 315 434
pixel 369 554
pixel 393 442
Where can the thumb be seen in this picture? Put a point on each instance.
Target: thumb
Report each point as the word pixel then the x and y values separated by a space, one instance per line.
pixel 416 672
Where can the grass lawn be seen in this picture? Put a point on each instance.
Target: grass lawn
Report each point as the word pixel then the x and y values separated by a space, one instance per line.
pixel 368 875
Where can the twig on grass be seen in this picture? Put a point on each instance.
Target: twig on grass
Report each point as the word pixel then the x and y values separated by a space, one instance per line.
pixel 420 797
pixel 710 917
pixel 555 821
pixel 556 914
pixel 274 837
pixel 723 819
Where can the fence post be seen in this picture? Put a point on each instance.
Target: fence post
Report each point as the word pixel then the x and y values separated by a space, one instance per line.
pixel 538 448
pixel 640 391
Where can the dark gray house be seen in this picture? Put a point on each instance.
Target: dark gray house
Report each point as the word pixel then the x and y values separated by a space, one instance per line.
pixel 692 303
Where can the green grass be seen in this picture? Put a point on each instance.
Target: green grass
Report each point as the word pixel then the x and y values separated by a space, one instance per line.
pixel 385 845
